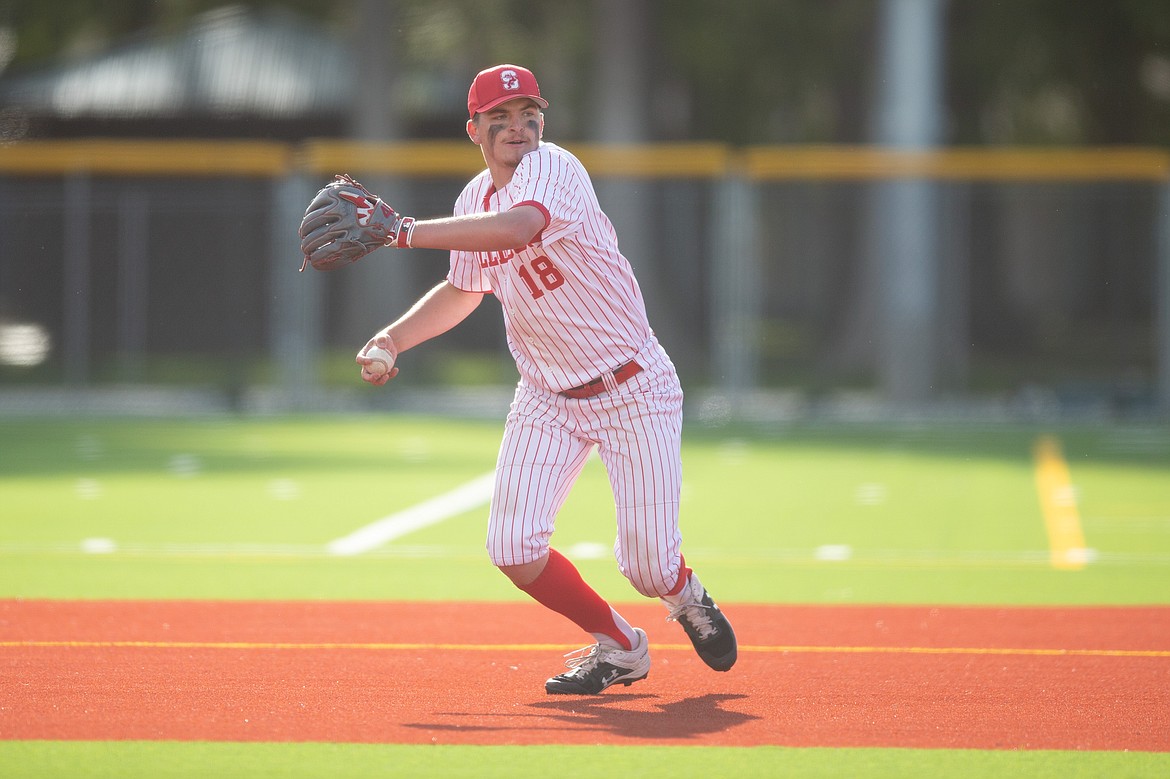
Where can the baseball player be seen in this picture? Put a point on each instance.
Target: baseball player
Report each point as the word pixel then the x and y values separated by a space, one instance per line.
pixel 529 230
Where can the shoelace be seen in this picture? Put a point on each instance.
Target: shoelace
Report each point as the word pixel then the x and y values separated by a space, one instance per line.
pixel 584 658
pixel 697 616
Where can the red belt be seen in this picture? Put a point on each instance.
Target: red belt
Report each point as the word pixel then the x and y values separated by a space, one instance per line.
pixel 597 386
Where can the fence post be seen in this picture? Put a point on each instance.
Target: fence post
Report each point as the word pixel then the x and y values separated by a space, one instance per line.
pixel 1162 302
pixel 911 68
pixel 297 311
pixel 133 286
pixel 736 287
pixel 908 246
pixel 75 348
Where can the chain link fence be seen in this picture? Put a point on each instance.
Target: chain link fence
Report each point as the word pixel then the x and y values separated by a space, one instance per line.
pixel 1046 281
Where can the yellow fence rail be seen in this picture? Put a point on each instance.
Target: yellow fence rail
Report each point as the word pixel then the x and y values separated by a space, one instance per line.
pixel 146 158
pixel 660 161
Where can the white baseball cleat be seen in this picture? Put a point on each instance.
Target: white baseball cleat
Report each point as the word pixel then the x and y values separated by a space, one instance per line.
pixel 596 667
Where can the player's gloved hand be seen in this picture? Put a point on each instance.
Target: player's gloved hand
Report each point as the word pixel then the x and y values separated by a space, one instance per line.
pixel 345 222
pixel 377 359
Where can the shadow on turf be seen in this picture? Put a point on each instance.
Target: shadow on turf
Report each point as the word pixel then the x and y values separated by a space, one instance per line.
pixel 687 718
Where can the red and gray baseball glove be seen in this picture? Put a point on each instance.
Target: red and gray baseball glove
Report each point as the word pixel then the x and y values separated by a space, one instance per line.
pixel 345 222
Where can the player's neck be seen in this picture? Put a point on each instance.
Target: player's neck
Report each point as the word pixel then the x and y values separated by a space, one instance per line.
pixel 501 174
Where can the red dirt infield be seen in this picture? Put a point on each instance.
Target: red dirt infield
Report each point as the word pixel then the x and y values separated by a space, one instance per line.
pixel 473 673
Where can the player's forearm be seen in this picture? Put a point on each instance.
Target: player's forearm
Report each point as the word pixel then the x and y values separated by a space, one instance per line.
pixel 434 314
pixel 493 231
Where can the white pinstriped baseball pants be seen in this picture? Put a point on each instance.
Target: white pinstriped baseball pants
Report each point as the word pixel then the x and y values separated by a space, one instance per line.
pixel 637 430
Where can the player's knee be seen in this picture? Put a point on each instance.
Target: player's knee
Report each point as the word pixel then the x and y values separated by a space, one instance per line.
pixel 524 574
pixel 520 564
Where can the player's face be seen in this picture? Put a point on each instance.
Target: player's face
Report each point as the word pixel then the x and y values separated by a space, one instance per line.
pixel 507 132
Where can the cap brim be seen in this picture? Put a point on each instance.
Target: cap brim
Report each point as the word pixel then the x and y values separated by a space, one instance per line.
pixel 540 101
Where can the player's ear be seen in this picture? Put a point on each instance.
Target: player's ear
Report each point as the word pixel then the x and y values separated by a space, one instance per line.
pixel 473 131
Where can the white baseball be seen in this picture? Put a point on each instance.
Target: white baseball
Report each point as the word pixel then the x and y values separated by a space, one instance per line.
pixel 383 361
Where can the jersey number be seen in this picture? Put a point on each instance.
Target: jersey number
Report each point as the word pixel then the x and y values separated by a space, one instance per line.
pixel 548 275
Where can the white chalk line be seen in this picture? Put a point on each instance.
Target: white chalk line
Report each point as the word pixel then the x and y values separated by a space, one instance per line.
pixel 757 556
pixel 228 551
pixel 472 495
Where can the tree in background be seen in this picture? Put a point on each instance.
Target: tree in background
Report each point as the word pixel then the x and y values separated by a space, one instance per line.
pixel 742 71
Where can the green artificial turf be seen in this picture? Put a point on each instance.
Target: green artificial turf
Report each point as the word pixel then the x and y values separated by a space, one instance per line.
pixel 197 760
pixel 245 508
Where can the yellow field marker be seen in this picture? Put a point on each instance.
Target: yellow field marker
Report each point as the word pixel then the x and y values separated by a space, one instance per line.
pixel 1058 503
pixel 760 648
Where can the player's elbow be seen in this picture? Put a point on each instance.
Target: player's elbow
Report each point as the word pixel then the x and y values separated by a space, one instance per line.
pixel 522 225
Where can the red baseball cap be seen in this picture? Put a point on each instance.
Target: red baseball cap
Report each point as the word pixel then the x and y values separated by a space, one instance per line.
pixel 500 84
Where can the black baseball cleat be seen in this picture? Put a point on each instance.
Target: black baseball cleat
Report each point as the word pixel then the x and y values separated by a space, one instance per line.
pixel 708 629
pixel 596 667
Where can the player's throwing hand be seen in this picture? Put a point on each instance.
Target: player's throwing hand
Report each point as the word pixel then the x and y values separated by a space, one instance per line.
pixel 377 359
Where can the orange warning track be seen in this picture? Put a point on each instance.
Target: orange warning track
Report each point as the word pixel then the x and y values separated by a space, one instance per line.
pixel 882 676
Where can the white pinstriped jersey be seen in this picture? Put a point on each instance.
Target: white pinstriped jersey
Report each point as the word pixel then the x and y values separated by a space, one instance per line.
pixel 572 307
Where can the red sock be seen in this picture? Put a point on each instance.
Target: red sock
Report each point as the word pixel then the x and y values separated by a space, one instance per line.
pixel 684 574
pixel 561 588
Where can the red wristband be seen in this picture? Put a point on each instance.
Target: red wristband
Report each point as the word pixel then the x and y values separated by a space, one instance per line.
pixel 405 229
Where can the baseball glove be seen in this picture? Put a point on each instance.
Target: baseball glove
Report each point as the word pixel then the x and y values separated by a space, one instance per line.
pixel 345 222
